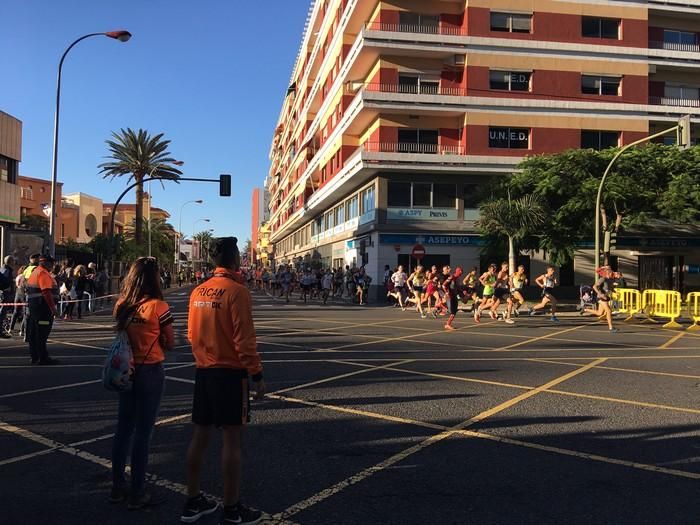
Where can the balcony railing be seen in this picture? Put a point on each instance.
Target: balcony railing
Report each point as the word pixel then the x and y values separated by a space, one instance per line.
pixel 412 89
pixel 673 46
pixel 412 147
pixel 427 29
pixel 679 102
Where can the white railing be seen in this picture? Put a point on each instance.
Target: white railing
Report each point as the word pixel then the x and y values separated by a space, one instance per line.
pixel 674 46
pixel 679 102
pixel 412 147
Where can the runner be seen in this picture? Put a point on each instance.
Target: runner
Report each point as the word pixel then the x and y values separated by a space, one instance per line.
pixel 399 280
pixel 450 285
pixel 547 281
pixel 431 292
pixel 416 284
pixel 469 291
pixel 286 279
pixel 307 281
pixel 518 281
pixel 502 293
pixel 220 328
pixel 604 288
pixel 148 322
pixel 488 281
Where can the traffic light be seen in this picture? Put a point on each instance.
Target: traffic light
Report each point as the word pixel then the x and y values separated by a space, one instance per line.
pixel 224 185
pixel 609 242
pixel 683 133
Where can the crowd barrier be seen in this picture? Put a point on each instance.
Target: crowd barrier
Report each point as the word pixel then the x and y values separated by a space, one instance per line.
pixel 693 301
pixel 662 303
pixel 628 301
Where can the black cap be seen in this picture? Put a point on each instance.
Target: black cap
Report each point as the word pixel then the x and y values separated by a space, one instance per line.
pixel 224 251
pixel 35 256
pixel 46 258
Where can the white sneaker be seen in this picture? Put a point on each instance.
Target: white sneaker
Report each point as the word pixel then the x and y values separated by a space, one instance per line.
pixel 509 321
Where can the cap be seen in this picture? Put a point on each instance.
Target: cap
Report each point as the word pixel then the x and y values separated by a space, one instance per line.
pixel 35 256
pixel 46 258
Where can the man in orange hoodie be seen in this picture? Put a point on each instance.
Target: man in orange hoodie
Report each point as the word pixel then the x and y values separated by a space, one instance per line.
pixel 220 328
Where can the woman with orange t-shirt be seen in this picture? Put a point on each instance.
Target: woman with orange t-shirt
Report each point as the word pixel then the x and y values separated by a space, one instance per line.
pixel 148 322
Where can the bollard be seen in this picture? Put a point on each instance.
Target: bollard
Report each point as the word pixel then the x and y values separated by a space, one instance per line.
pixel 693 301
pixel 662 303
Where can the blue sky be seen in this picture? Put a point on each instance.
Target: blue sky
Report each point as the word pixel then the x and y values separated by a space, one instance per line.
pixel 211 75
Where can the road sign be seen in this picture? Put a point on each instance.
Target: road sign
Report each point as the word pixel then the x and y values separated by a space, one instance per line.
pixel 418 252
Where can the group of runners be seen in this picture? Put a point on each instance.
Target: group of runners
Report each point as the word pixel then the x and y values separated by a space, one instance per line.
pixel 497 292
pixel 312 283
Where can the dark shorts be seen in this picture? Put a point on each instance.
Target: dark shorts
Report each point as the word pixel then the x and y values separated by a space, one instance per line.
pixel 221 397
pixel 501 293
pixel 548 292
pixel 418 289
pixel 453 304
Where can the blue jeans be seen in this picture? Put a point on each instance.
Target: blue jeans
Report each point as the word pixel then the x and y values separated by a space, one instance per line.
pixel 138 410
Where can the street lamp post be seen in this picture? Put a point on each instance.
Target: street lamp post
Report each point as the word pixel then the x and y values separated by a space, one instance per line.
pixel 150 199
pixel 193 234
pixel 122 36
pixel 179 232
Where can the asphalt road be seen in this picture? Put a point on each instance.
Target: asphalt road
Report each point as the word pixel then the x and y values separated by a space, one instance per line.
pixel 378 416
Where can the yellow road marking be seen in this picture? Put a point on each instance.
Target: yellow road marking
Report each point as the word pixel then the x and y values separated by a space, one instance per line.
pixel 534 339
pixel 368 472
pixel 672 340
pixel 623 401
pixel 633 370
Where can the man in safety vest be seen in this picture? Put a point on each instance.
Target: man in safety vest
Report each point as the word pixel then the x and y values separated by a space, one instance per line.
pixel 42 296
pixel 220 328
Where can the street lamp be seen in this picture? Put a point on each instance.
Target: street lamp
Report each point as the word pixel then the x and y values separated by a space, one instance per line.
pixel 179 231
pixel 193 233
pixel 150 198
pixel 122 36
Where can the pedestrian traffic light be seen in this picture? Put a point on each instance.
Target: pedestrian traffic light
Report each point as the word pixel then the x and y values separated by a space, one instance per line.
pixel 683 134
pixel 224 185
pixel 609 242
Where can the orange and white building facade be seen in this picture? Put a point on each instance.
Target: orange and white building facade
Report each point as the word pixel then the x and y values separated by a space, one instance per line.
pixel 398 110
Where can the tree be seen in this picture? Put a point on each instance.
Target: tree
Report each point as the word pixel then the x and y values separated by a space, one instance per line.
pixel 139 155
pixel 162 240
pixel 514 219
pixel 35 222
pixel 204 239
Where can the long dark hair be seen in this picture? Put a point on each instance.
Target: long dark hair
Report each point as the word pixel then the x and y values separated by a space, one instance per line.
pixel 142 282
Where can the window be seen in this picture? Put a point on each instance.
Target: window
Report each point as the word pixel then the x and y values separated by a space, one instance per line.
pixel 680 37
pixel 417 84
pixel 416 23
pixel 444 195
pixel 352 208
pixel 399 194
pixel 509 80
pixel 594 27
pixel 340 214
pixel 599 139
pixel 510 22
pixel 421 195
pixel 368 200
pixel 518 138
pixel 597 85
pixel 418 140
pixel 681 92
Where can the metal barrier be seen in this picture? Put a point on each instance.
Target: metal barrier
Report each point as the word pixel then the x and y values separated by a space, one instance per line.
pixel 693 301
pixel 629 301
pixel 662 303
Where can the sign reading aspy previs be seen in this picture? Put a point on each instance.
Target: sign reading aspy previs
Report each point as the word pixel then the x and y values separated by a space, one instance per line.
pixel 421 214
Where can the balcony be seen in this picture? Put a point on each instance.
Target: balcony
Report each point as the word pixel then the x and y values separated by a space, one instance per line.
pixel 414 89
pixel 422 29
pixel 413 148
pixel 677 102
pixel 674 46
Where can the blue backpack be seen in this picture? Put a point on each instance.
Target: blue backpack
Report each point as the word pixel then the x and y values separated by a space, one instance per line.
pixel 119 366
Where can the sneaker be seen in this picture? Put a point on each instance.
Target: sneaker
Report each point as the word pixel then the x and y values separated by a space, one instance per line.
pixel 531 312
pixel 509 321
pixel 554 319
pixel 197 507
pixel 240 515
pixel 118 494
pixel 449 327
pixel 423 316
pixel 146 499
pixel 493 315
pixel 613 330
pixel 5 335
pixel 516 312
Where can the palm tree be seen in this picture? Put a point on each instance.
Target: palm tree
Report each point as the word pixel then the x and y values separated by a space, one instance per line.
pixel 139 155
pixel 203 238
pixel 514 219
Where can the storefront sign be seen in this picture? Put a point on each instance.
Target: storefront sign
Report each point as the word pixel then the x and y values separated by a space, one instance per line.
pixel 421 214
pixel 429 240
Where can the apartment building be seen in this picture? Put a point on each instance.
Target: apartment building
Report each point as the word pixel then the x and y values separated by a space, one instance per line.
pixel 397 111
